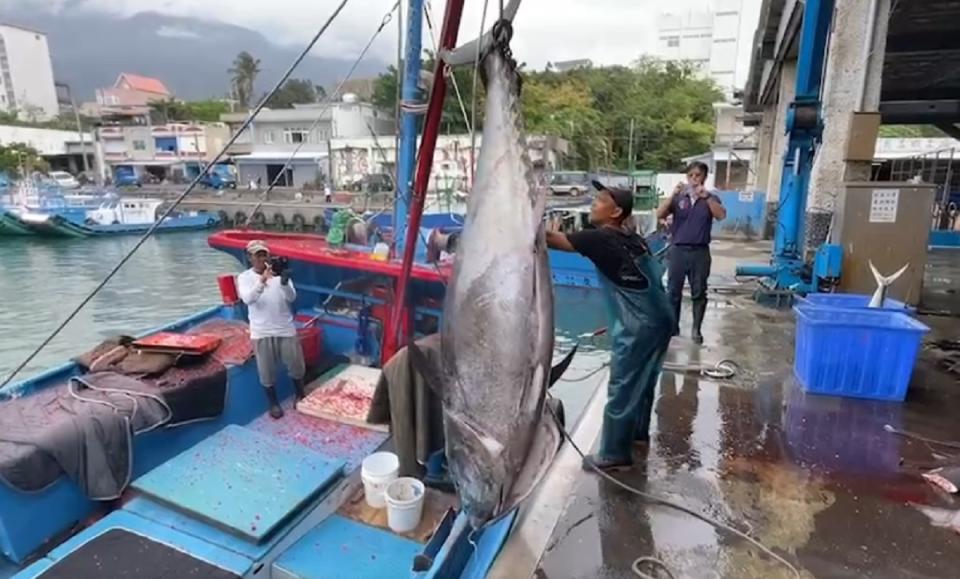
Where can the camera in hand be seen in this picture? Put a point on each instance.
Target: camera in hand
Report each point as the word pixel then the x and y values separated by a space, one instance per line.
pixel 279 265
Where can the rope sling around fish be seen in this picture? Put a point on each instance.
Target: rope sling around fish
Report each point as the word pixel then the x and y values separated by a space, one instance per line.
pixel 193 184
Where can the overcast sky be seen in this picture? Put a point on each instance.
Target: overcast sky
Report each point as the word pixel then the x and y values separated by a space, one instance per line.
pixel 606 31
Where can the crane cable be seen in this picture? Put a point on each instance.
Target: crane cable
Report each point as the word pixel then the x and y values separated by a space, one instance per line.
pixel 193 184
pixel 327 103
pixel 453 77
pixel 473 95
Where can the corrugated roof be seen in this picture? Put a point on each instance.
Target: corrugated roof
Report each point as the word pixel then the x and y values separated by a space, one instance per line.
pixel 142 83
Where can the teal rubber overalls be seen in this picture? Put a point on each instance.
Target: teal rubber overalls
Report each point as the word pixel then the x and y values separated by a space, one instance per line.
pixel 641 324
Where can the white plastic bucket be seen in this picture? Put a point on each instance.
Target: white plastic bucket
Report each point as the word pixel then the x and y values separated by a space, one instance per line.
pixel 404 504
pixel 377 471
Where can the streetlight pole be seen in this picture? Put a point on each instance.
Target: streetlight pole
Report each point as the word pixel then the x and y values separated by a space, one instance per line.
pixel 83 143
pixel 76 116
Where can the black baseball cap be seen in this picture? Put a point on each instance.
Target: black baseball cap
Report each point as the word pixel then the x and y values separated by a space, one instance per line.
pixel 622 197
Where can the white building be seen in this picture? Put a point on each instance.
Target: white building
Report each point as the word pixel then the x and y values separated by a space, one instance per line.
pixel 63 150
pixel 711 40
pixel 354 158
pixel 161 149
pixel 262 150
pixel 26 74
pixel 733 154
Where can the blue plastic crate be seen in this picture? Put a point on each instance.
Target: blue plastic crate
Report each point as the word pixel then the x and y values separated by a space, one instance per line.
pixel 849 301
pixel 867 353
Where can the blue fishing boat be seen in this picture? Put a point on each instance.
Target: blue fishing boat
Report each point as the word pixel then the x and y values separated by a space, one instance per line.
pixel 112 216
pixel 205 479
pixel 128 461
pixel 31 196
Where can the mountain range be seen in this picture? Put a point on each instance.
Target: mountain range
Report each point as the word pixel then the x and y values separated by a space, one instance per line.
pixel 191 56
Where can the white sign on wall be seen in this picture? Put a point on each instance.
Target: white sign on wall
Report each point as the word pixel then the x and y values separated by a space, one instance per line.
pixel 883 205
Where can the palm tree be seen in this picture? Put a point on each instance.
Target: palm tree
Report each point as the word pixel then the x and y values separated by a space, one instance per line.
pixel 243 74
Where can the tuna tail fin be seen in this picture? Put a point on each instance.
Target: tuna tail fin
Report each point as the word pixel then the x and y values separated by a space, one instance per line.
pixel 883 282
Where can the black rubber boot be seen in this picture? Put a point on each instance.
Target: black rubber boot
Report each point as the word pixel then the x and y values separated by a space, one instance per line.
pixel 699 310
pixel 594 462
pixel 676 313
pixel 275 410
pixel 300 388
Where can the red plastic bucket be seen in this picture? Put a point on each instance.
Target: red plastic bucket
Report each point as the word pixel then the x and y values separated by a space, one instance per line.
pixel 311 339
pixel 228 289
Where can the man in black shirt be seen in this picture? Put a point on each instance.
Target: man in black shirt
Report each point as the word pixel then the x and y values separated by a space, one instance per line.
pixel 641 322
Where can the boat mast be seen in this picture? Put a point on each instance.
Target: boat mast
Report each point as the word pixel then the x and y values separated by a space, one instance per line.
pixel 411 206
pixel 407 155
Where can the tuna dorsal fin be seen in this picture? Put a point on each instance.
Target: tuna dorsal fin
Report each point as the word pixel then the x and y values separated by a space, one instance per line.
pixel 557 371
pixel 426 368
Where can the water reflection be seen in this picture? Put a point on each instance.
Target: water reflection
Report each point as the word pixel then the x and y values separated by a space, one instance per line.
pixel 42 280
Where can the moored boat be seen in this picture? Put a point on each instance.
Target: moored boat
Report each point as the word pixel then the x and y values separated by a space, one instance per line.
pixel 115 216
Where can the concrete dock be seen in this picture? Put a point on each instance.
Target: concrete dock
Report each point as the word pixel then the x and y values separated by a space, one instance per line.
pixel 815 478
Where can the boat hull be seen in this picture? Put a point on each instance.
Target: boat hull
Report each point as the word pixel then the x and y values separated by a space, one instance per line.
pixel 10 225
pixel 56 225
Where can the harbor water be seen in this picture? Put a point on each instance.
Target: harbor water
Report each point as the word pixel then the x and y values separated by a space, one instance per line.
pixel 43 280
pixel 171 276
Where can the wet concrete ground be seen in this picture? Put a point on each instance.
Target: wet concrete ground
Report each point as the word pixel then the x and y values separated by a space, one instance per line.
pixel 817 479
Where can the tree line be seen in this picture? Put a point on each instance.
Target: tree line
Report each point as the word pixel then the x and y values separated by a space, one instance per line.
pixel 669 106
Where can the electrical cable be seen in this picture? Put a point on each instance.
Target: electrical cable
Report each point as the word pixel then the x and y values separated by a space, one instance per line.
pixel 913 436
pixel 193 184
pixel 653 499
pixel 473 94
pixel 453 77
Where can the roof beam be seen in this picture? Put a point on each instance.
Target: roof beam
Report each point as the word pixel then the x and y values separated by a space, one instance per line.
pixel 951 129
pixel 919 112
pixel 926 41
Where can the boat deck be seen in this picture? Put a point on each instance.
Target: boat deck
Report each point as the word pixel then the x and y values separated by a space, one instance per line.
pixel 281 495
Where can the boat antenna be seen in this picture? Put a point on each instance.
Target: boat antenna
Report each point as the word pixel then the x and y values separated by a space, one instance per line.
pixel 193 184
pixel 327 103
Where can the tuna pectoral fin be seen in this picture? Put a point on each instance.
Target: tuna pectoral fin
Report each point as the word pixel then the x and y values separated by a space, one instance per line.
pixel 426 368
pixel 557 371
pixel 546 443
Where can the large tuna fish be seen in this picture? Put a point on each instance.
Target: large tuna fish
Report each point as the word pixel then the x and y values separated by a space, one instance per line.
pixel 497 333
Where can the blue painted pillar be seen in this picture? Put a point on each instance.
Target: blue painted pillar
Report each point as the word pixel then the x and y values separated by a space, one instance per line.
pixel 804 128
pixel 407 155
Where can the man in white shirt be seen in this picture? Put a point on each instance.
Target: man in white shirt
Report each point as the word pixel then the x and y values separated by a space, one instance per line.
pixel 269 297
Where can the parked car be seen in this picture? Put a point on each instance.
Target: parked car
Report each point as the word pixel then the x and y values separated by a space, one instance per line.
pixel 126 176
pixel 571 183
pixel 65 180
pixel 220 176
pixel 373 183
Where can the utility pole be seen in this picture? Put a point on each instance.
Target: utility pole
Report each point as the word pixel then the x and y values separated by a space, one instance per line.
pixel 630 164
pixel 76 116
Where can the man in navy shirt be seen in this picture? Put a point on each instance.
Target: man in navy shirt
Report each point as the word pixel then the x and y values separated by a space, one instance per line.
pixel 694 209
